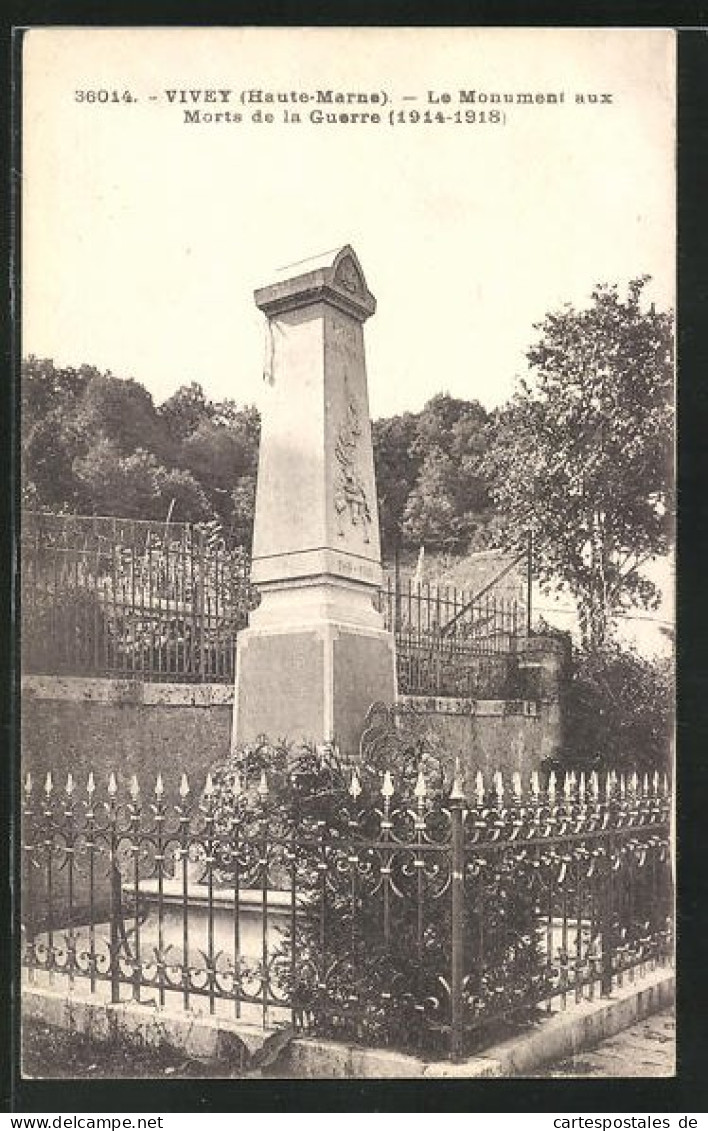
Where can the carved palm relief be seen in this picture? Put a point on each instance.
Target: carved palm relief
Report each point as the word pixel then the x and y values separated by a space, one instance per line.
pixel 350 499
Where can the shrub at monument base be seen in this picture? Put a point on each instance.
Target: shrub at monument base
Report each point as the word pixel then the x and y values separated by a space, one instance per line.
pixel 367 956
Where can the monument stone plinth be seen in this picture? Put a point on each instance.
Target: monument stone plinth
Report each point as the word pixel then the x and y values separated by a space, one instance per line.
pixel 315 654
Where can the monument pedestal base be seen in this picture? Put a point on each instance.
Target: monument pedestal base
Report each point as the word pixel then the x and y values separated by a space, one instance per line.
pixel 313 677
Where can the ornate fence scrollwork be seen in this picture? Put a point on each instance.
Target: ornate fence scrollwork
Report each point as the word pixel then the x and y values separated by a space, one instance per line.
pixel 393 903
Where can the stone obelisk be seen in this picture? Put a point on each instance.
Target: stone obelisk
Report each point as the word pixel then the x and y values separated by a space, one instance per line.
pixel 315 654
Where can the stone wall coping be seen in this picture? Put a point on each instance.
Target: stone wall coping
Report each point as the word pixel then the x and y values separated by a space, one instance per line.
pixel 137 693
pixel 117 692
pixel 134 692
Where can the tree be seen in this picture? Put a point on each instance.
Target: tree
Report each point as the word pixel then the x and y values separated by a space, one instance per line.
pixel 183 412
pixel 618 710
pixel 94 443
pixel 431 481
pixel 138 486
pixel 49 400
pixel 123 412
pixel 397 464
pixel 45 387
pixel 430 516
pixel 222 457
pixel 449 507
pixel 582 453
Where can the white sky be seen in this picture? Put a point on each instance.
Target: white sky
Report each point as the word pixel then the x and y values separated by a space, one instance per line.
pixel 145 237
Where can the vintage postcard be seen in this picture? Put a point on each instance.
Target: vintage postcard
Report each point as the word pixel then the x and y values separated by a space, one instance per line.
pixel 347 435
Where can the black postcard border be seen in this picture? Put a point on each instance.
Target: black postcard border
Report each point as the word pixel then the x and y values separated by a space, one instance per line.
pixel 688 1092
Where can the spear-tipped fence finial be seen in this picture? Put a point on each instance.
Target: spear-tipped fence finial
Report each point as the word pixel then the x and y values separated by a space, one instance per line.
pixel 69 787
pixel 91 784
pixel 184 786
pixel 499 787
pixel 112 785
pixel 159 787
pixel 354 785
pixel 48 783
pixel 387 790
pixel 421 790
pixel 134 787
pixel 516 786
pixel 535 785
pixel 28 783
pixel 457 792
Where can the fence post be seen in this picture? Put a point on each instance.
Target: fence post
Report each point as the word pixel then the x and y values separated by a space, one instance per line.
pixel 28 910
pixel 606 925
pixel 201 605
pixel 457 865
pixel 115 894
pixel 396 591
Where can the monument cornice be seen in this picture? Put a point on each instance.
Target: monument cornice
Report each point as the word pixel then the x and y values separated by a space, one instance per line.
pixel 335 278
pixel 274 304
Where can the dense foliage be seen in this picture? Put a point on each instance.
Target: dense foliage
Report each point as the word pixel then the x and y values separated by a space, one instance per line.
pixel 583 453
pixel 619 710
pixel 432 487
pixel 95 444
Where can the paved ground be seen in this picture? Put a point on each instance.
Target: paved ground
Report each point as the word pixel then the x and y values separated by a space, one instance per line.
pixel 645 1049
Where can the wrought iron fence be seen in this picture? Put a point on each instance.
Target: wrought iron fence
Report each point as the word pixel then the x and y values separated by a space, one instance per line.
pixel 386 907
pixel 451 642
pixel 454 621
pixel 155 601
pixel 117 597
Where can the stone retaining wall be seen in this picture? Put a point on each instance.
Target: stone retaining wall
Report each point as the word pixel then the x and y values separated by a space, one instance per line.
pixel 103 725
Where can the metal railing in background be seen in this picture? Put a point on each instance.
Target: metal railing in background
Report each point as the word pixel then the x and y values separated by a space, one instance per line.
pixel 408 912
pixel 451 642
pixel 165 602
pixel 453 620
pixel 130 599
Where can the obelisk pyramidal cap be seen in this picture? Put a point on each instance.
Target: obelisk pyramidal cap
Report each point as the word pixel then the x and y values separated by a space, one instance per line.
pixel 315 654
